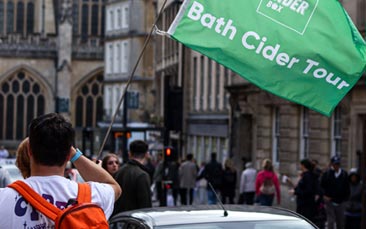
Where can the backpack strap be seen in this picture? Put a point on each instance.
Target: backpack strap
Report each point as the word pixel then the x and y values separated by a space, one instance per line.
pixel 84 193
pixel 36 200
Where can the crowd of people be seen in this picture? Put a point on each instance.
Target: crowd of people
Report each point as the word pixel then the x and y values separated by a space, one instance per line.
pixel 331 197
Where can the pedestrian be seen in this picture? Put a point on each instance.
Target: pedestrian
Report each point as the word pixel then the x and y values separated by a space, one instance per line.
pixel 50 148
pixel 22 160
pixel 134 180
pixel 334 183
pixel 158 179
pixel 267 185
pixel 4 178
pixel 213 174
pixel 187 175
pixel 3 152
pixel 150 167
pixel 353 209
pixel 247 184
pixel 201 185
pixel 228 182
pixel 306 190
pixel 111 163
pixel 172 181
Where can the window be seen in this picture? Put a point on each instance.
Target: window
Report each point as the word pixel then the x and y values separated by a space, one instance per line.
pixel 111 20
pixel 218 86
pixel 202 82
pixel 119 18
pixel 30 17
pixel 227 81
pixel 126 16
pixel 20 17
pixel 336 132
pixel 23 95
pixel 84 21
pixel 195 84
pixel 118 58
pixel 95 17
pixel 110 69
pixel 209 84
pixel 304 133
pixel 10 17
pixel 89 102
pixel 108 101
pixel 125 56
pixel 1 17
pixel 275 135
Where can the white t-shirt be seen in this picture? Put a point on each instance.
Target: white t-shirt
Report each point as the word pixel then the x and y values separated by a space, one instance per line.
pixel 15 212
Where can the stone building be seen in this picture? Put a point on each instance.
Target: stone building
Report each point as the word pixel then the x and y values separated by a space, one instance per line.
pixel 128 24
pixel 51 60
pixel 244 121
pixel 286 132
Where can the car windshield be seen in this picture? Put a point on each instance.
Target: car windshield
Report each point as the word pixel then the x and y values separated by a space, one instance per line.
pixel 283 224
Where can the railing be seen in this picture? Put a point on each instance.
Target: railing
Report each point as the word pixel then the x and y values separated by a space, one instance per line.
pixel 30 45
pixel 88 48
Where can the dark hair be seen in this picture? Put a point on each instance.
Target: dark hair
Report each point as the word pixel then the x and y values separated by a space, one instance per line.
pixel 307 164
pixel 267 165
pixel 50 139
pixel 189 156
pixel 138 148
pixel 106 159
pixel 213 156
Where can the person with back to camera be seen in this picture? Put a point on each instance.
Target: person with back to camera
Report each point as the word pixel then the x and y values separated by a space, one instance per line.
pixel 134 180
pixel 110 163
pixel 353 211
pixel 50 148
pixel 22 160
pixel 306 190
pixel 267 185
pixel 247 184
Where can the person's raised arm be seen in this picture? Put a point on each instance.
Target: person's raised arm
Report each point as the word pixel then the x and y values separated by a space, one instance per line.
pixel 90 171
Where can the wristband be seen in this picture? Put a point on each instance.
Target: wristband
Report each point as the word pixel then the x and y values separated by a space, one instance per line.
pixel 76 156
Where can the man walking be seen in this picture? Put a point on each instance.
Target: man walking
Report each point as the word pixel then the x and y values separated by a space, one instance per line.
pixel 188 174
pixel 213 173
pixel 50 148
pixel 134 179
pixel 336 191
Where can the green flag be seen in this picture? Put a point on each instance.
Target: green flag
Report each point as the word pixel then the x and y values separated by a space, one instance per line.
pixel 306 51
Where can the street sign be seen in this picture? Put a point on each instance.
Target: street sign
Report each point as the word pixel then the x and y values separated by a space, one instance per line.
pixel 133 99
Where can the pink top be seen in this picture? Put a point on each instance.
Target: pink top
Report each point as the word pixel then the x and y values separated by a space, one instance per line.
pixel 262 175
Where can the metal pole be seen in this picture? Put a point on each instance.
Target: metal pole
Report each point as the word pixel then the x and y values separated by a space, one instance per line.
pixel 363 180
pixel 125 129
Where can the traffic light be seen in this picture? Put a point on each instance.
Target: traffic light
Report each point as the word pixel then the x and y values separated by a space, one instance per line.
pixel 121 134
pixel 170 154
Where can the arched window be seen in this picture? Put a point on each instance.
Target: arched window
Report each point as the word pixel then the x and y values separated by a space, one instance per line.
pixel 89 103
pixel 20 17
pixel 10 17
pixel 95 20
pixel 22 95
pixel 30 17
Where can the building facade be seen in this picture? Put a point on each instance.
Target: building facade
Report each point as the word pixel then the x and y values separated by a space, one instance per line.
pixel 286 132
pixel 127 25
pixel 51 55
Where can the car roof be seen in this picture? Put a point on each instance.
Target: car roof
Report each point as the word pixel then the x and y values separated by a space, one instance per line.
pixel 208 214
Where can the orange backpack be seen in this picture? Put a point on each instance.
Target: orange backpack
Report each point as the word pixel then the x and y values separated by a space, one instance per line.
pixel 83 214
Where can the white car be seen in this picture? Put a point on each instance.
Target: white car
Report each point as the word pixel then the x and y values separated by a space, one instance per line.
pixel 210 217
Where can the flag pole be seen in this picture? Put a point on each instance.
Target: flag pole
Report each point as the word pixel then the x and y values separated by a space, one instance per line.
pixel 147 40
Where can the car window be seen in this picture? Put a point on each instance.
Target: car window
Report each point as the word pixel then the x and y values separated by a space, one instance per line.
pixel 126 224
pixel 283 224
